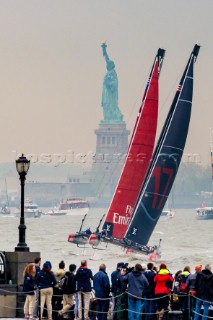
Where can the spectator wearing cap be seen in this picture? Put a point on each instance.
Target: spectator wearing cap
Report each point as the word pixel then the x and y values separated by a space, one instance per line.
pixel 45 281
pixel 84 278
pixel 149 305
pixel 163 285
pixel 137 282
pixel 204 292
pixel 190 288
pixel 115 285
pixel 69 289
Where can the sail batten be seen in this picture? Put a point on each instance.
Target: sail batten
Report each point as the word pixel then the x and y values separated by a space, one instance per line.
pixel 166 160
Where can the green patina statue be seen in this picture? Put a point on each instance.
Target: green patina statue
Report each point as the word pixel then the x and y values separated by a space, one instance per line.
pixel 109 102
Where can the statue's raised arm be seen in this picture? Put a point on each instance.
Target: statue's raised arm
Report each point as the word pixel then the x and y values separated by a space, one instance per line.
pixel 104 46
pixel 110 92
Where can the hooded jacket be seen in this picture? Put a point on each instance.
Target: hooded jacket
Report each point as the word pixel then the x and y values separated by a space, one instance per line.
pixel 190 281
pixel 204 285
pixel 149 291
pixel 84 277
pixel 163 280
pixel 114 280
pixel 45 279
pixel 136 283
pixel 183 282
pixel 59 274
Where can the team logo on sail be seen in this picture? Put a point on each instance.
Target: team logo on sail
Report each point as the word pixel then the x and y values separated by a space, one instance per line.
pixel 124 220
pixel 108 227
pixel 134 231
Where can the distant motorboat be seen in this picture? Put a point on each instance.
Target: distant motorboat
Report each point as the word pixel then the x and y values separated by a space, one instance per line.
pixel 70 207
pixel 204 213
pixel 31 210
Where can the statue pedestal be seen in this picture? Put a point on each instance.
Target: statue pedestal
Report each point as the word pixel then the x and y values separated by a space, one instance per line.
pixel 111 148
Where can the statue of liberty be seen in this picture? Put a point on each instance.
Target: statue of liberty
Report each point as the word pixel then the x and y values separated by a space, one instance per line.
pixel 109 102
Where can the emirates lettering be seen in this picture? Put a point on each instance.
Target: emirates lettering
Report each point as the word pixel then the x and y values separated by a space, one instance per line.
pixel 117 219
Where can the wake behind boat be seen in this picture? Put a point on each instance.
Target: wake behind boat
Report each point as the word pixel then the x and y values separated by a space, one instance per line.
pixel 70 207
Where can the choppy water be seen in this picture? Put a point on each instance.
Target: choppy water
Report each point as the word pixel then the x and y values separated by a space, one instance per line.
pixel 185 240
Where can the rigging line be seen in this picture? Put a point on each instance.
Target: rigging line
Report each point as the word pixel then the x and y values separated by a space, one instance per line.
pixel 170 94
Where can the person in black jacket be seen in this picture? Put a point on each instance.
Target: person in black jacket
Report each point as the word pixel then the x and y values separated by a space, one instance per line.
pixel 69 288
pixel 204 292
pixel 84 277
pixel 114 287
pixel 149 305
pixel 28 289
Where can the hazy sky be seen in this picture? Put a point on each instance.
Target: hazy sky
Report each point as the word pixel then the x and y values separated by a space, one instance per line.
pixel 52 68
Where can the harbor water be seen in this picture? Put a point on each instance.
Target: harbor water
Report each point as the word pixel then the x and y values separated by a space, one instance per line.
pixel 185 240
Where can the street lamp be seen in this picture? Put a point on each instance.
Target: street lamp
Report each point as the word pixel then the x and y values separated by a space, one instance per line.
pixel 22 166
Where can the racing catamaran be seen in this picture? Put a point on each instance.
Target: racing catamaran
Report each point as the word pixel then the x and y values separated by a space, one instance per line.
pixel 164 166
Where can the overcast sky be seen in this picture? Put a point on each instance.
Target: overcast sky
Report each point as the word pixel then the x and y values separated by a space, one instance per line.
pixel 52 68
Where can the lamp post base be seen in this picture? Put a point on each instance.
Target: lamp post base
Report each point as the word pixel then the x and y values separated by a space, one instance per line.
pixel 22 249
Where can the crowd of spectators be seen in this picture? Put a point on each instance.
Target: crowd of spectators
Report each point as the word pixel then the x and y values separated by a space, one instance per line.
pixel 145 291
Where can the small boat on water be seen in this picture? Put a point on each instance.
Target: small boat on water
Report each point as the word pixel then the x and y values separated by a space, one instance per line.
pixel 31 210
pixel 5 210
pixel 168 213
pixel 70 207
pixel 205 213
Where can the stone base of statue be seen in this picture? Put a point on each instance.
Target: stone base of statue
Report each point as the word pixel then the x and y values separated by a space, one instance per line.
pixel 111 148
pixel 11 294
